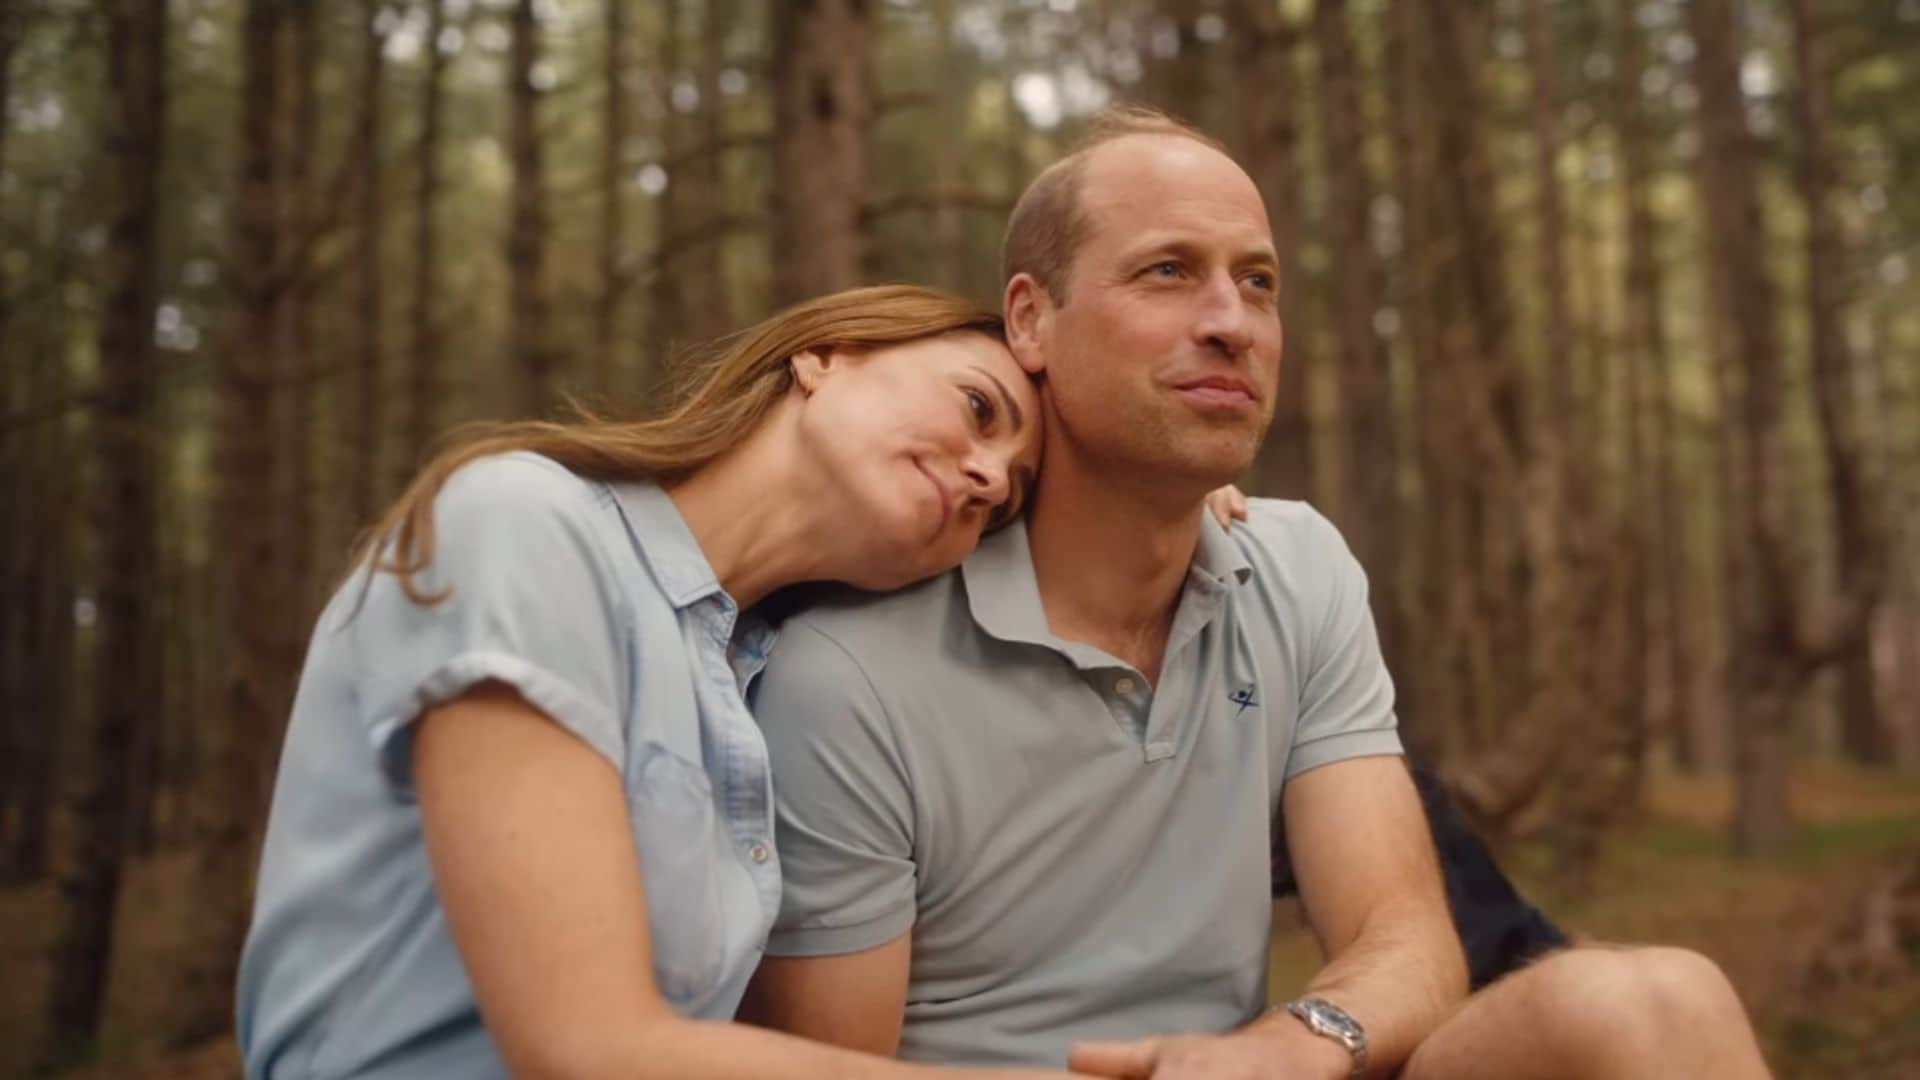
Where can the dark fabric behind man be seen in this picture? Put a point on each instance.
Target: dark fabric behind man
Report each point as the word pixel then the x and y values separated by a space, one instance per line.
pixel 1499 930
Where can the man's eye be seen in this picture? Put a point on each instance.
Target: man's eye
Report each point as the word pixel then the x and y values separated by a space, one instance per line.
pixel 1166 269
pixel 1263 282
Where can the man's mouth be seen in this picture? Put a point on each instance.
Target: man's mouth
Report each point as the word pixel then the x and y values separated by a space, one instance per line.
pixel 1217 393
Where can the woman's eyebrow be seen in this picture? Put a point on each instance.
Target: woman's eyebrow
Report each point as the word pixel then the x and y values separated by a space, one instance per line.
pixel 1013 407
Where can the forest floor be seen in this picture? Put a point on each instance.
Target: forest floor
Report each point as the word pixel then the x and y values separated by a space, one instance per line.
pixel 1668 879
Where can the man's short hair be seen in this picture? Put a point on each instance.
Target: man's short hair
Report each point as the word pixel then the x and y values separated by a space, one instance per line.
pixel 1048 224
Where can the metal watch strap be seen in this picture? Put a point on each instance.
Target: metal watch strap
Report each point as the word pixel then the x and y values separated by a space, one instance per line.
pixel 1330 1021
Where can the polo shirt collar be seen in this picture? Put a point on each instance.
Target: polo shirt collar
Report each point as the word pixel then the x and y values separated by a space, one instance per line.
pixel 1004 595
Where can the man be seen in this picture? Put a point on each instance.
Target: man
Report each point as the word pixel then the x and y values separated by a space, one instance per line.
pixel 1021 806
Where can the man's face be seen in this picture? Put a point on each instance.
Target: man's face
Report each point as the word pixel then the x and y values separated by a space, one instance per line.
pixel 1162 361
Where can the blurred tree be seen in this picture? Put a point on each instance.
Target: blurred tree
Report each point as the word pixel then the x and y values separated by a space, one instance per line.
pixel 122 505
pixel 1858 562
pixel 823 112
pixel 14 587
pixel 237 740
pixel 1267 140
pixel 1778 640
pixel 299 48
pixel 424 344
pixel 613 178
pixel 528 331
pixel 369 154
pixel 1372 518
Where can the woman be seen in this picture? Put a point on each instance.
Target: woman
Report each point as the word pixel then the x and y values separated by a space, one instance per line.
pixel 520 781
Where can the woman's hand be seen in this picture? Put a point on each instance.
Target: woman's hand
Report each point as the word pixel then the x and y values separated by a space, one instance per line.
pixel 1228 505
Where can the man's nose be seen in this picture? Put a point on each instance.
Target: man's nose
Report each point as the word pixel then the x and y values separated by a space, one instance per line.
pixel 1224 322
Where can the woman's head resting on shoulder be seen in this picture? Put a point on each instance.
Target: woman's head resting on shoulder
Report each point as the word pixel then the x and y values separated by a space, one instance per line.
pixel 927 445
pixel 897 409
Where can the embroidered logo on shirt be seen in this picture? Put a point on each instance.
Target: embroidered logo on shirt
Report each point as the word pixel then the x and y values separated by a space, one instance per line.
pixel 1242 697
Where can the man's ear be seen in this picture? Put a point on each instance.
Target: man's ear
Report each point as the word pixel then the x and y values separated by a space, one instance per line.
pixel 1029 319
pixel 809 367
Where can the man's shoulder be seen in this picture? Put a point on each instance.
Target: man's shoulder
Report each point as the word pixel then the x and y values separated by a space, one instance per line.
pixel 1289 542
pixel 872 630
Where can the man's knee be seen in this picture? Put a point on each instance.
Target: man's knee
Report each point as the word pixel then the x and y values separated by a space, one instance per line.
pixel 1629 1001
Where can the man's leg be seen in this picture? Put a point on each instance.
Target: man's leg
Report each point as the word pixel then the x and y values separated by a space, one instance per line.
pixel 1598 1013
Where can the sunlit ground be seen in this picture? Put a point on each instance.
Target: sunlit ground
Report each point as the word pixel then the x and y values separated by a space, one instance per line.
pixel 1673 880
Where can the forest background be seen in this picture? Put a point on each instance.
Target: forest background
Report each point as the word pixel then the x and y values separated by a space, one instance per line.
pixel 1603 327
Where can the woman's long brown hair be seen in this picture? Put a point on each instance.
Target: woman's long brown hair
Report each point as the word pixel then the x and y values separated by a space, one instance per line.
pixel 725 394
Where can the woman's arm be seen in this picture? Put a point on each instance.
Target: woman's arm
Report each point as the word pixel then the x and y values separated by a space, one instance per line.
pixel 534 861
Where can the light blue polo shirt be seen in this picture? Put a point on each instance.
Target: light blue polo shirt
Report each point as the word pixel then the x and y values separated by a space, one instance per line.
pixel 597 605
pixel 1078 854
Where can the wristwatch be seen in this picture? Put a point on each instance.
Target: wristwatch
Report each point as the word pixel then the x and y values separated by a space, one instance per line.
pixel 1324 1018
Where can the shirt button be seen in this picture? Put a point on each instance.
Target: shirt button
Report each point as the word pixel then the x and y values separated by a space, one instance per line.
pixel 759 853
pixel 1123 685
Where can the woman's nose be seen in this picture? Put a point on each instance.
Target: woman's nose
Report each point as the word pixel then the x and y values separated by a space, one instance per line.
pixel 987 478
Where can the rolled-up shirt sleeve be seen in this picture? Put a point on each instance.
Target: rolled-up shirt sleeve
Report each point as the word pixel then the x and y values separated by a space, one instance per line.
pixel 526 599
pixel 1346 694
pixel 844 825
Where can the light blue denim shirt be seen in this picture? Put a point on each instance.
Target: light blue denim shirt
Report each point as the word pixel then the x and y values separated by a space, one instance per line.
pixel 595 603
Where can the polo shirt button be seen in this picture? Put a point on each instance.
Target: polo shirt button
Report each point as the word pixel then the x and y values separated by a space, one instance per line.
pixel 759 853
pixel 1123 685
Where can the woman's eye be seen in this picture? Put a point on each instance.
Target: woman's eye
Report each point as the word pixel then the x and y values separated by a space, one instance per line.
pixel 982 407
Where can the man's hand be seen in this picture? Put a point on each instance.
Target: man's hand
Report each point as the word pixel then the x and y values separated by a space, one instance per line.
pixel 1272 1048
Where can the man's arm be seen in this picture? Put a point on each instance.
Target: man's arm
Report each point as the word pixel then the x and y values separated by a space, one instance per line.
pixel 1373 892
pixel 856 1000
pixel 838 959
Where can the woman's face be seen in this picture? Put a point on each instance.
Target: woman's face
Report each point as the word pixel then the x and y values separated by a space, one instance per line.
pixel 930 443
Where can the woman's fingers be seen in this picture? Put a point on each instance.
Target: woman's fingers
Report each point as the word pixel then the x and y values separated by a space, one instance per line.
pixel 1227 504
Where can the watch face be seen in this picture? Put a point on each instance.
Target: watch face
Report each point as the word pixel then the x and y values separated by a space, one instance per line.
pixel 1329 1019
pixel 1338 1022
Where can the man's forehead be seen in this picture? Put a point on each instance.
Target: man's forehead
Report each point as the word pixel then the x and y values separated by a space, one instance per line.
pixel 1158 171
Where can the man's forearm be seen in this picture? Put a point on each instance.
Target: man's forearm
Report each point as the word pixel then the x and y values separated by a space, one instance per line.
pixel 1399 978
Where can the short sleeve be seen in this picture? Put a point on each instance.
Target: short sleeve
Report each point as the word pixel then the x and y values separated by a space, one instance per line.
pixel 529 602
pixel 844 828
pixel 1346 695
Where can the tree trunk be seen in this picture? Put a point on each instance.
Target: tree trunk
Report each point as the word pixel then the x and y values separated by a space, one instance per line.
pixel 1436 703
pixel 1844 434
pixel 948 135
pixel 1509 552
pixel 1773 651
pixel 423 373
pixel 706 300
pixel 823 111
pixel 123 516
pixel 528 229
pixel 370 217
pixel 1372 524
pixel 255 683
pixel 1269 136
pixel 14 535
pixel 667 327
pixel 1647 343
pixel 295 427
pixel 613 138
